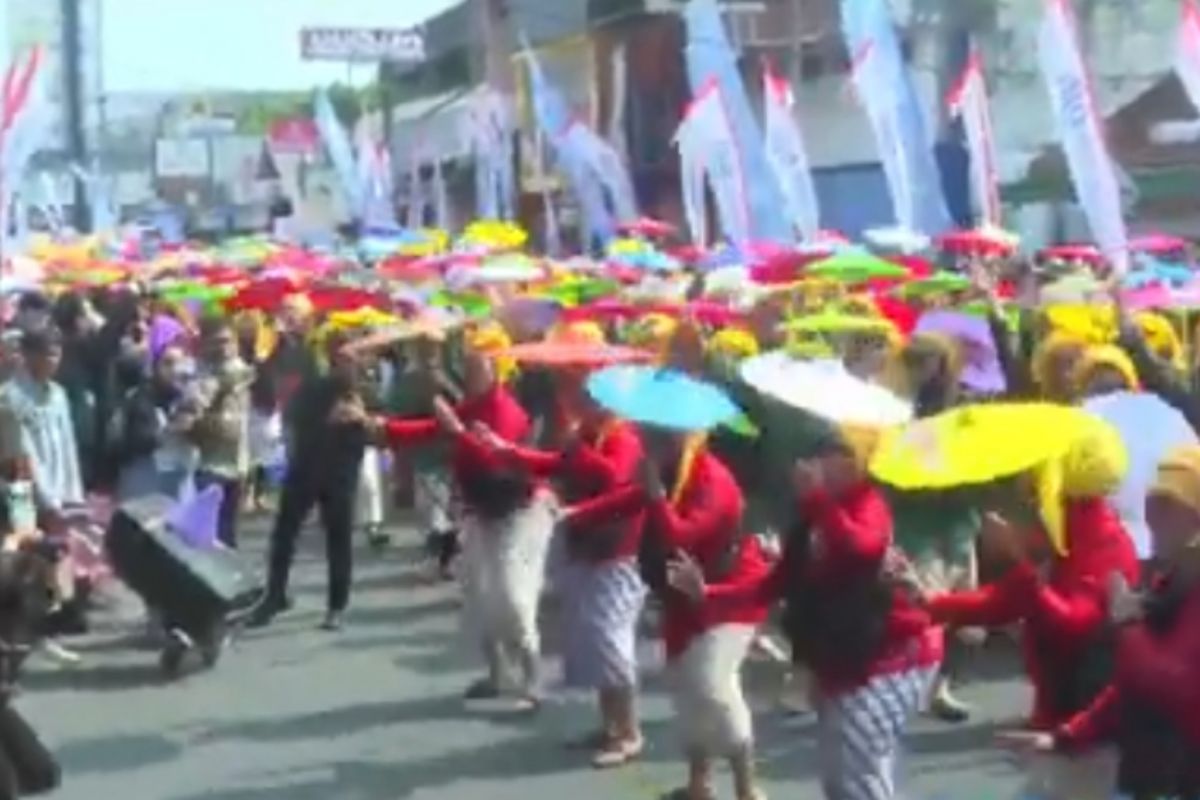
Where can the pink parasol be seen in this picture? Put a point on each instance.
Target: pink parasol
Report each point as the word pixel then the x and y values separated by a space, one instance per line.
pixel 574 354
pixel 1157 244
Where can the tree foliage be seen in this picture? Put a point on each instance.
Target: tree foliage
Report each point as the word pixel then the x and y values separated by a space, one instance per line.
pixel 256 116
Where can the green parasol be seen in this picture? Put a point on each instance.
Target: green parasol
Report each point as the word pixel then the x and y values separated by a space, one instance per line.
pixel 855 267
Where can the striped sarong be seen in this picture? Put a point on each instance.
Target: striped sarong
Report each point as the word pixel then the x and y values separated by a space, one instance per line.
pixel 858 734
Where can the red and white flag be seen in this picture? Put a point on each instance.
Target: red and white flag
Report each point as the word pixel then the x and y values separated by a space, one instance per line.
pixel 25 122
pixel 968 101
pixel 1187 52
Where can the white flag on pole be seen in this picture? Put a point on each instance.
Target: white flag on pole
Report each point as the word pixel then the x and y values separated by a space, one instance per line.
pixel 969 102
pixel 1082 133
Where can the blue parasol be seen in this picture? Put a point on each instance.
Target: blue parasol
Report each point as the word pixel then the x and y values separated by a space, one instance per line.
pixel 662 398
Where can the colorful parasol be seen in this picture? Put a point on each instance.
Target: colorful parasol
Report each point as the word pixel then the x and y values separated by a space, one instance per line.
pixel 825 389
pixel 974 445
pixel 661 398
pixel 647 227
pixel 897 239
pixel 1150 430
pixel 942 282
pixel 832 322
pixel 982 241
pixel 855 267
pixel 577 354
pixel 981 370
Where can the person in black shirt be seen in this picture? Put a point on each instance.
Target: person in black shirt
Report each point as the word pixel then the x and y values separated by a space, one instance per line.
pixel 324 460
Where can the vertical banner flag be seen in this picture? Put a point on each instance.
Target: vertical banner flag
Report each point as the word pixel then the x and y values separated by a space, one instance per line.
pixel 596 171
pixel 26 120
pixel 1081 130
pixel 708 131
pixel 1187 52
pixel 968 101
pixel 441 197
pixel 710 57
pixel 788 156
pixel 341 152
pixel 416 191
pixel 495 178
pixel 375 179
pixel 889 97
pixel 620 96
pixel 692 190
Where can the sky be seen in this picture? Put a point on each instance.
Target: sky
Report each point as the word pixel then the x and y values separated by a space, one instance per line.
pixel 242 45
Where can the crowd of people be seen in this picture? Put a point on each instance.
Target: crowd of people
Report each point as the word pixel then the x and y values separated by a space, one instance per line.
pixel 522 478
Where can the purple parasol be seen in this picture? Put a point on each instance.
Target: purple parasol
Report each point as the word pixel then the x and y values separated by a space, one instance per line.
pixel 981 371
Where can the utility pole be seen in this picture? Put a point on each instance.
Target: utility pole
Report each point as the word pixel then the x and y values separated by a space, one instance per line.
pixel 73 101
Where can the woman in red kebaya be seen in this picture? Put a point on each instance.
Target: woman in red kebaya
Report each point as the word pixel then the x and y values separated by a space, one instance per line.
pixel 1152 708
pixel 603 590
pixel 507 518
pixel 1063 606
pixel 852 618
pixel 691 507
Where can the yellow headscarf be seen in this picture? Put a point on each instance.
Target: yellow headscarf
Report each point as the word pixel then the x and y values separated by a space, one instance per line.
pixel 736 344
pixel 653 331
pixel 1179 476
pixel 1160 337
pixel 1052 348
pixel 491 340
pixel 862 441
pixel 1093 465
pixel 1104 356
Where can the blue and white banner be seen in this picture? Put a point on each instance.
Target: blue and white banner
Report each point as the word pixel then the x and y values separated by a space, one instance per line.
pixel 598 175
pixel 341 152
pixel 707 137
pixel 1082 133
pixel 711 58
pixel 889 97
pixel 788 155
pixel 495 177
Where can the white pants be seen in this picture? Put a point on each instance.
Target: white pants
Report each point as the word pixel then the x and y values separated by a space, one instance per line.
pixel 706 684
pixel 1089 776
pixel 370 490
pixel 504 570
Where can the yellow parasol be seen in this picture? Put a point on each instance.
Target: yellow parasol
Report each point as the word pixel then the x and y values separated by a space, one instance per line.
pixel 1069 453
pixel 974 445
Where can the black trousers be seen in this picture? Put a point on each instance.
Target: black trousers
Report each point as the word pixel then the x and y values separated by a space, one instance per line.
pixel 26 766
pixel 334 501
pixel 231 504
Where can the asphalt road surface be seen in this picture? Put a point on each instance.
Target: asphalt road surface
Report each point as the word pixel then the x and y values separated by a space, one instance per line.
pixel 374 713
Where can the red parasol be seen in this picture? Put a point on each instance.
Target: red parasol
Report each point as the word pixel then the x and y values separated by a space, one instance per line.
pixel 784 267
pixel 975 242
pixel 648 228
pixel 575 354
pixel 1087 253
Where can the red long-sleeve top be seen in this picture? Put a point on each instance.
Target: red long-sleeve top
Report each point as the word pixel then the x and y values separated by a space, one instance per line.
pixel 605 461
pixel 1159 670
pixel 703 521
pixel 851 535
pixel 1062 614
pixel 496 408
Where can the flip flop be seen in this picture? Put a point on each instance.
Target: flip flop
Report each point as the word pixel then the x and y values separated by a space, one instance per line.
pixel 618 754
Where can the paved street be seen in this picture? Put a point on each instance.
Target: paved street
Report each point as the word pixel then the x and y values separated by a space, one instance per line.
pixel 373 713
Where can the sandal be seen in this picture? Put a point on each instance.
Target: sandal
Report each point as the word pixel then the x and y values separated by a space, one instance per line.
pixel 618 753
